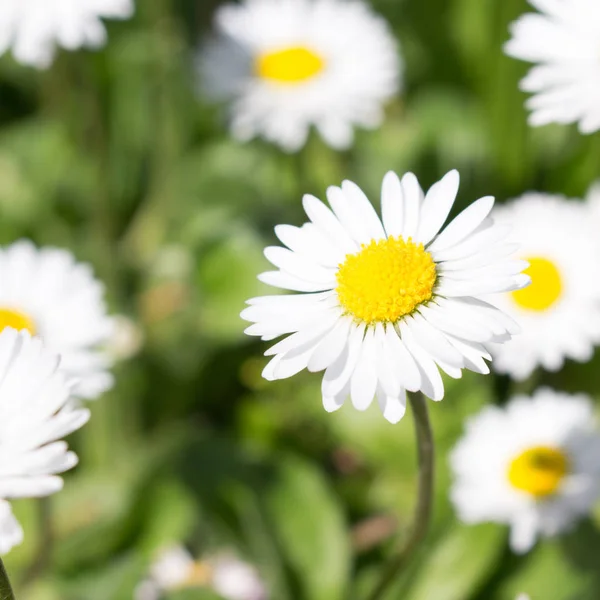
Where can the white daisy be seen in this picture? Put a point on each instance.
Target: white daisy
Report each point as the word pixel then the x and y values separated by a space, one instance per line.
pixel 35 414
pixel 227 575
pixel 559 313
pixel 291 64
pixel 34 28
pixel 49 294
pixel 534 465
pixel 564 42
pixel 384 303
pixel 11 532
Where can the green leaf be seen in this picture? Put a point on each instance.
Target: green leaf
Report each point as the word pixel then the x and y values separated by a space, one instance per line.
pixel 311 530
pixel 458 565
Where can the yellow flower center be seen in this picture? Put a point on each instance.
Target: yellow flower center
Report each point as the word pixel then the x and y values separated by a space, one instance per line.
pixel 545 288
pixel 386 280
pixel 538 471
pixel 199 575
pixel 9 317
pixel 290 65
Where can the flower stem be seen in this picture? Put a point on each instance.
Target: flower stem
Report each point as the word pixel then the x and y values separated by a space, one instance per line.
pixel 422 516
pixel 6 592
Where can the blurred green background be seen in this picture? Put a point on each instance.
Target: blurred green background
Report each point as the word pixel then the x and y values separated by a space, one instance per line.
pixel 113 155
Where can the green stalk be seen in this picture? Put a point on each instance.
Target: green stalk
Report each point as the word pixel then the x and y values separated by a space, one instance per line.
pixel 6 592
pixel 422 516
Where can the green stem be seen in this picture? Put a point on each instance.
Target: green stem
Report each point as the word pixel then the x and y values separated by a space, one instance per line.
pixel 43 556
pixel 6 592
pixel 422 516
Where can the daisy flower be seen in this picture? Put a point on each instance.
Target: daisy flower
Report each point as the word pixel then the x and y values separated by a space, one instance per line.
pixel 47 293
pixel 34 28
pixel 534 465
pixel 287 65
pixel 227 575
pixel 562 39
pixel 35 414
pixel 384 303
pixel 559 313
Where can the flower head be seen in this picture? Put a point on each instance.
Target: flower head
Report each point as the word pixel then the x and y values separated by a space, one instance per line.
pixel 47 293
pixel 534 465
pixel 35 414
pixel 562 39
pixel 289 65
pixel 384 303
pixel 34 28
pixel 559 313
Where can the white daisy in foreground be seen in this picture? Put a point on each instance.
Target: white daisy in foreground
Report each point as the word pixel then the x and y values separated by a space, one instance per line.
pixel 34 28
pixel 47 293
pixel 289 65
pixel 534 465
pixel 384 304
pixel 559 313
pixel 35 414
pixel 563 41
pixel 227 575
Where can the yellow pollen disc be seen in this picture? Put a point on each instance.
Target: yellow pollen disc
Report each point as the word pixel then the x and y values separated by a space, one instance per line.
pixel 199 575
pixel 291 65
pixel 545 288
pixel 10 317
pixel 386 280
pixel 538 471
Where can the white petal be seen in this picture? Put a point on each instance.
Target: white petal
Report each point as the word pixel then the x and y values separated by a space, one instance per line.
pixel 331 346
pixel 464 224
pixel 339 373
pixel 298 266
pixel 405 367
pixel 349 215
pixel 365 208
pixel 310 243
pixel 286 281
pixel 436 207
pixel 413 197
pixel 364 379
pixel 433 342
pixel 392 407
pixel 392 204
pixel 488 235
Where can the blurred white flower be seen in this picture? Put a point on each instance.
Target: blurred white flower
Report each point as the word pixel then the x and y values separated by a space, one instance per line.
pixel 289 65
pixel 563 41
pixel 559 313
pixel 35 414
pixel 534 465
pixel 175 569
pixel 34 28
pixel 387 303
pixel 126 340
pixel 11 532
pixel 47 293
pixel 523 597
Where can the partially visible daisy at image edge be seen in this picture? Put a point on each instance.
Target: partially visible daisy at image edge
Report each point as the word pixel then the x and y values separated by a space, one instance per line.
pixel 287 66
pixel 533 465
pixel 33 29
pixel 46 292
pixel 562 41
pixel 383 304
pixel 36 413
pixel 559 313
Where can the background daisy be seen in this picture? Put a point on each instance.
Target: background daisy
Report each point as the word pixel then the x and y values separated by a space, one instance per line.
pixel 33 29
pixel 534 465
pixel 46 292
pixel 289 65
pixel 563 40
pixel 389 301
pixel 559 313
pixel 35 414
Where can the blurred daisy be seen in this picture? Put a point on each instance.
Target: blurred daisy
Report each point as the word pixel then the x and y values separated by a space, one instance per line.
pixel 563 41
pixel 384 304
pixel 534 465
pixel 35 414
pixel 34 28
pixel 11 532
pixel 289 65
pixel 559 312
pixel 47 293
pixel 227 575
